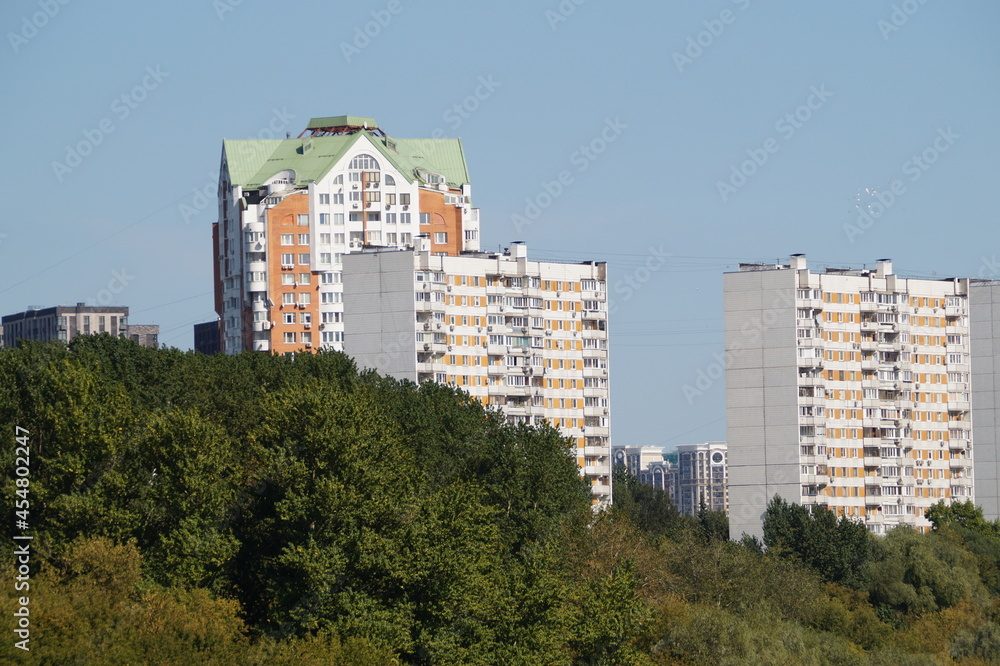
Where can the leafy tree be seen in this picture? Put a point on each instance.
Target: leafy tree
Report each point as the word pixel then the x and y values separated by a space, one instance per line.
pixel 837 549
pixel 648 508
pixel 921 573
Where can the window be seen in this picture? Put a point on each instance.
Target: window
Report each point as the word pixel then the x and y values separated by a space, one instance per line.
pixel 390 218
pixel 305 298
pixel 324 239
pixel 288 317
pixel 372 196
pixel 324 257
pixel 425 218
pixel 332 317
pixel 406 239
pixel 324 218
pixel 355 196
pixel 331 277
pixel 287 279
pixel 355 177
pixel 390 239
pixel 324 199
pixel 329 297
pixel 287 259
pixel 389 180
pixel 289 338
pixel 303 239
pixel 374 217
pixel 304 278
pixel 471 234
pixel 404 218
pixel 338 239
pixel 304 259
pixel 303 220
pixel 390 199
pixel 371 176
pixel 288 239
pixel 288 299
pixel 364 162
pixel 355 217
pixel 338 218
pixel 404 199
pixel 374 237
pixel 339 180
pixel 440 237
pixel 338 197
pixel 258 276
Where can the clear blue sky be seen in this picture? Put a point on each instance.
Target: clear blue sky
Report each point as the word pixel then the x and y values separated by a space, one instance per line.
pixel 677 118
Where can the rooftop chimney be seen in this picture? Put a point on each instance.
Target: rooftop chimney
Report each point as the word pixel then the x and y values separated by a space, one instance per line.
pixel 797 262
pixel 518 250
pixel 883 267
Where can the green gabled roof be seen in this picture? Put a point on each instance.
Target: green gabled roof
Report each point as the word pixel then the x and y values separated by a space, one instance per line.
pixel 342 121
pixel 252 162
pixel 443 156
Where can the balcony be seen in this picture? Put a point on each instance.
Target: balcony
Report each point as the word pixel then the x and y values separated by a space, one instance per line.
pixel 958 406
pixel 595 411
pixel 958 444
pixel 435 347
pixel 954 310
pixel 810 362
pixel 496 369
pixel 430 306
pixel 816 381
pixel 870 363
pixel 868 345
pixel 594 315
pixel 595 372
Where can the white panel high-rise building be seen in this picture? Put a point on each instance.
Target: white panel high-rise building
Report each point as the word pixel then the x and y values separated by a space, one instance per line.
pixel 529 337
pixel 848 389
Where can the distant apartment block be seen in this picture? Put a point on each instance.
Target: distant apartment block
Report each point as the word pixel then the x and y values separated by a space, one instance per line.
pixel 291 209
pixel 208 337
pixel 650 465
pixel 701 478
pixel 848 389
pixel 66 322
pixel 693 476
pixel 146 335
pixel 526 336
